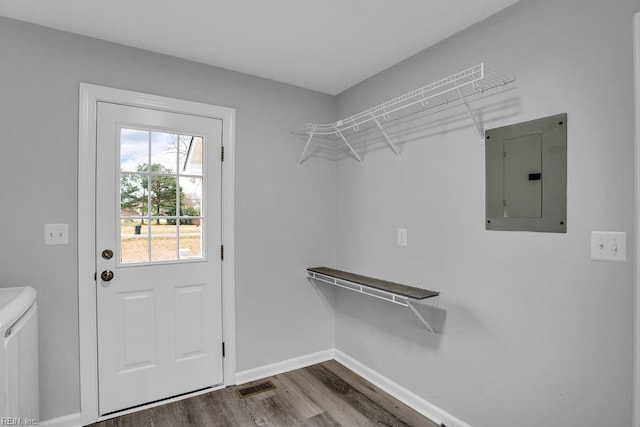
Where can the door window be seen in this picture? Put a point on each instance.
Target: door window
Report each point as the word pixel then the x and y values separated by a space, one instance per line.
pixel 161 217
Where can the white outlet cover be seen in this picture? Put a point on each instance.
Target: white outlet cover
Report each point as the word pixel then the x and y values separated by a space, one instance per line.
pixel 402 237
pixel 609 246
pixel 56 234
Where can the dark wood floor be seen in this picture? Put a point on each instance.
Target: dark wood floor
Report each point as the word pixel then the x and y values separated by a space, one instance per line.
pixel 327 394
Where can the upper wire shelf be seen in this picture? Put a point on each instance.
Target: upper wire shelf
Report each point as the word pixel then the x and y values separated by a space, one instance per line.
pixel 457 88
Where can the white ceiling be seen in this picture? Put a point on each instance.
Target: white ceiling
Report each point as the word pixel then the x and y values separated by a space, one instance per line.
pixel 324 45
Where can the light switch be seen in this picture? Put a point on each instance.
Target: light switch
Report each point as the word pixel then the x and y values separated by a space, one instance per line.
pixel 56 234
pixel 609 245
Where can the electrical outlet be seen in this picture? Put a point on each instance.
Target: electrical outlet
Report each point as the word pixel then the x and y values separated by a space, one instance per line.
pixel 608 246
pixel 402 237
pixel 56 234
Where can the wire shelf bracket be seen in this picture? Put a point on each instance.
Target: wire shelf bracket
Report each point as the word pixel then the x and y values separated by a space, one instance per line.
pixel 473 117
pixel 457 89
pixel 348 145
pixel 393 147
pixel 385 295
pixel 306 146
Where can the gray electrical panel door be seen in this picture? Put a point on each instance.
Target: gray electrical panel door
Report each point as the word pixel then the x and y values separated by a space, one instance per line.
pixel 522 158
pixel 526 176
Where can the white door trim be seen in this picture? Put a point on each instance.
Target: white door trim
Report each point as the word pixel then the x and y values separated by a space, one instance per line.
pixel 636 332
pixel 90 95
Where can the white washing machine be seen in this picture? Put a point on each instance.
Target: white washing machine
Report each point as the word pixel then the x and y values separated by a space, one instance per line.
pixel 19 384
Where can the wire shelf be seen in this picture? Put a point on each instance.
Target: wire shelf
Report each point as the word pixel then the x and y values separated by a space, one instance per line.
pixel 457 88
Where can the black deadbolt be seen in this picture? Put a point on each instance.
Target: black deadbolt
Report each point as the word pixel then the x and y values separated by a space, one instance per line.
pixel 107 254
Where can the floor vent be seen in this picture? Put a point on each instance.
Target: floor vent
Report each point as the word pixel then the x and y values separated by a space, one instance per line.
pixel 255 389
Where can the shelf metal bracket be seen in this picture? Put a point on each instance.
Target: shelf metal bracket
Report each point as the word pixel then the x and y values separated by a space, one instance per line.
pixel 393 147
pixel 473 117
pixel 306 146
pixel 348 145
pixel 428 326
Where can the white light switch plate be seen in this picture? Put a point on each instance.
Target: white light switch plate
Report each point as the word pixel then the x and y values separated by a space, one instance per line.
pixel 609 245
pixel 56 234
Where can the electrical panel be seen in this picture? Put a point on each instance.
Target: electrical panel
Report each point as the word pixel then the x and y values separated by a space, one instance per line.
pixel 526 176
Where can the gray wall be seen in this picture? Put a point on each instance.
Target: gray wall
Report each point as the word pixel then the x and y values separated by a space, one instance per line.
pixel 280 226
pixel 535 332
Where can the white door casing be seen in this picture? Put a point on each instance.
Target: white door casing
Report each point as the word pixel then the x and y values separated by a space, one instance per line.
pixel 159 313
pixel 90 97
pixel 636 332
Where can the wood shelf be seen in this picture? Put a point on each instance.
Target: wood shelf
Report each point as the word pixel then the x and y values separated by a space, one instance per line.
pixel 396 293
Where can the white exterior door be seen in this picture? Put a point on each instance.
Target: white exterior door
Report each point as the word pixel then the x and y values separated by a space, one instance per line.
pixel 158 240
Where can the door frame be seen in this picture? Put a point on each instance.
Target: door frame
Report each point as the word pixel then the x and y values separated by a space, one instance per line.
pixel 90 95
pixel 636 259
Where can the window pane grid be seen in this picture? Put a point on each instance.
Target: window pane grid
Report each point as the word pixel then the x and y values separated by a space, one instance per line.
pixel 149 193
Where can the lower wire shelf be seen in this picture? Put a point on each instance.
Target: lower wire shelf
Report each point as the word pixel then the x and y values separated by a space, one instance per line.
pixel 396 293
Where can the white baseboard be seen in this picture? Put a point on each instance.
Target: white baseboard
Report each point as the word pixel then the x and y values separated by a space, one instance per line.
pixel 73 420
pixel 284 366
pixel 405 396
